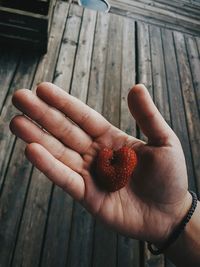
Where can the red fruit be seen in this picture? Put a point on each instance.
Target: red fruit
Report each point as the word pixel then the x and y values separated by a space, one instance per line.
pixel 115 168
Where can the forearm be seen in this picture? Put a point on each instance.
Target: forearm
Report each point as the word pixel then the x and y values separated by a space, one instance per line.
pixel 185 252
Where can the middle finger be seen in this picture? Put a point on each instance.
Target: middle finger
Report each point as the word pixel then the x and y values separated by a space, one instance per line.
pixel 52 120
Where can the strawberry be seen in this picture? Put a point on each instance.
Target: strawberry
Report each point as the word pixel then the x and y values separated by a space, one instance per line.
pixel 115 168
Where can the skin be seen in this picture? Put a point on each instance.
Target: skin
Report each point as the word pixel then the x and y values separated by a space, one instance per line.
pixel 156 199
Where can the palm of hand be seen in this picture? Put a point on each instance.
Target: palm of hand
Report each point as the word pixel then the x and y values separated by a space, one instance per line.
pixel 155 190
pixel 135 206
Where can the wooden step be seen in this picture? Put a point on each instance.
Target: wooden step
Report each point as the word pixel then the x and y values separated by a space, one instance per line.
pixel 179 15
pixel 22 28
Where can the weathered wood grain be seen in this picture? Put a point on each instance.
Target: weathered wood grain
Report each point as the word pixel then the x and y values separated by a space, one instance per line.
pixel 14 169
pixel 112 87
pixel 198 43
pixel 58 228
pixel 182 18
pixel 98 66
pixel 105 241
pixel 56 239
pixel 12 202
pixel 65 65
pixel 81 239
pixel 8 63
pixel 128 75
pixel 128 250
pixel 194 61
pixel 46 67
pixel 95 57
pixel 39 6
pixel 22 79
pixel 191 109
pixel 25 28
pixel 144 71
pixel 95 100
pixel 29 242
pixel 14 190
pixel 83 58
pixel 168 263
pixel 160 90
pixel 176 7
pixel 176 101
pixel 151 73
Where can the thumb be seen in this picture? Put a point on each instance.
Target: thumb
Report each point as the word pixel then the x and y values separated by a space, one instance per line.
pixel 148 117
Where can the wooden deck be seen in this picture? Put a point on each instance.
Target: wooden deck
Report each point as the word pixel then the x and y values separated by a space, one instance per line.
pixel 97 58
pixel 182 15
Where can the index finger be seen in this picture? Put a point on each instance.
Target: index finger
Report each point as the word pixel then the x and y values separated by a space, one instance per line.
pixel 88 119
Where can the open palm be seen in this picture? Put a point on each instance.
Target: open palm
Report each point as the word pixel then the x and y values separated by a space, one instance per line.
pixel 66 145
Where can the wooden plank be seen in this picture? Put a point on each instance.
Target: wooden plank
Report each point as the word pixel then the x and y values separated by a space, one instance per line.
pixel 81 240
pixel 98 67
pixel 194 61
pixel 19 17
pixel 128 75
pixel 9 198
pixel 168 263
pixel 111 108
pixel 95 100
pixel 160 92
pixel 22 79
pixel 83 57
pixel 172 9
pixel 66 60
pixel 176 102
pixel 191 110
pixel 8 64
pixel 38 6
pixel 32 226
pixel 188 6
pixel 25 29
pixel 12 201
pixel 158 74
pixel 56 240
pixel 198 44
pixel 149 53
pixel 105 240
pixel 160 95
pixel 14 190
pixel 177 7
pixel 128 250
pixel 155 15
pixel 144 71
pixel 50 59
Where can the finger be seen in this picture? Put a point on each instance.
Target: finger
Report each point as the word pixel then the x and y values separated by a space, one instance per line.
pixel 31 133
pixel 56 171
pixel 52 120
pixel 148 117
pixel 88 119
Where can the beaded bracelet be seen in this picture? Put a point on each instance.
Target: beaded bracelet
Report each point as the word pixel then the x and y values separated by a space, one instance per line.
pixel 174 236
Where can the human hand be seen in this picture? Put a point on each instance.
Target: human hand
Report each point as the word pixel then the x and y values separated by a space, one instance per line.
pixel 151 204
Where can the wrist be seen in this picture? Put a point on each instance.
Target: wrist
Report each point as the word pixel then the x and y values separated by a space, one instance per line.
pixel 177 215
pixel 188 244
